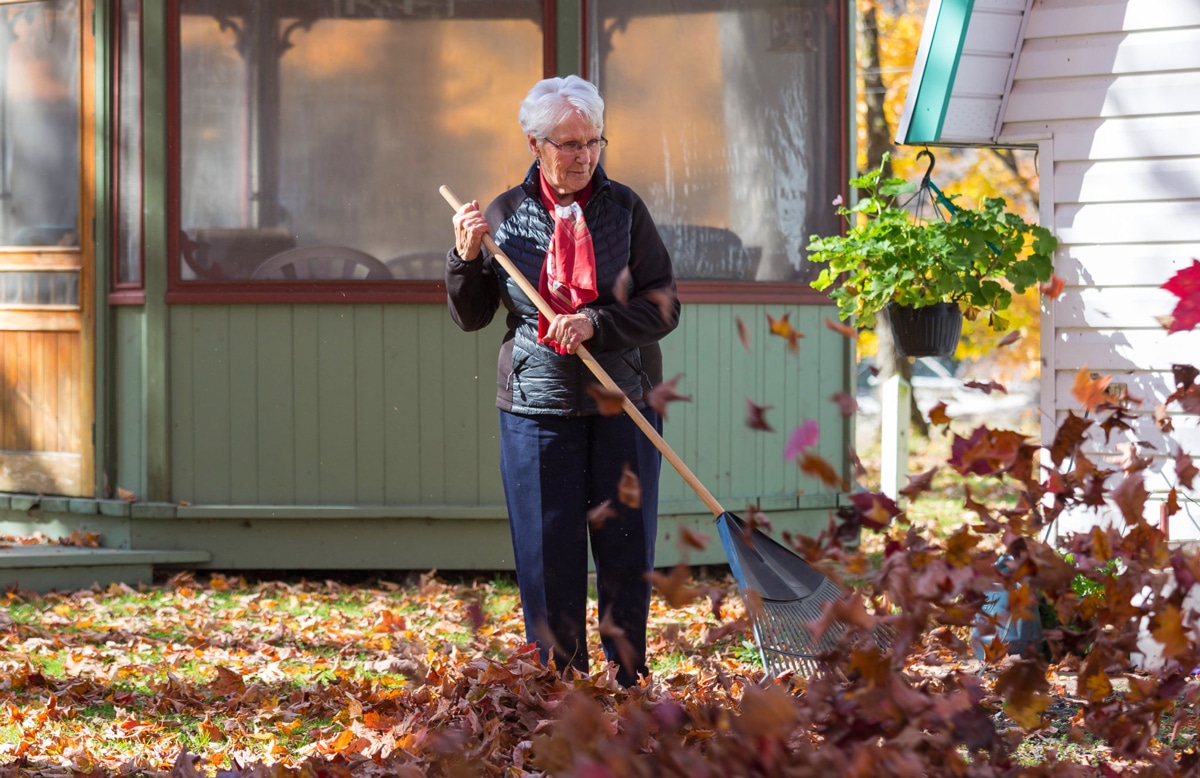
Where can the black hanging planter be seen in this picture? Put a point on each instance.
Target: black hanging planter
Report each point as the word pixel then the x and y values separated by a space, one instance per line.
pixel 928 331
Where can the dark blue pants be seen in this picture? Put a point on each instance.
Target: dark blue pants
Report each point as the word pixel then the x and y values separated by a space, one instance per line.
pixel 555 470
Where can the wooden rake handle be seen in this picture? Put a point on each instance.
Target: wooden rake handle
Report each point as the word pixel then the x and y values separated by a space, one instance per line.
pixel 601 374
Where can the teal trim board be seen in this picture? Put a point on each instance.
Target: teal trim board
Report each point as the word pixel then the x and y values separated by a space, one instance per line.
pixel 934 71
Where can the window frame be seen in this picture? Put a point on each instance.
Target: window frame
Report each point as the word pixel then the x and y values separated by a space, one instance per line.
pixel 126 292
pixel 200 291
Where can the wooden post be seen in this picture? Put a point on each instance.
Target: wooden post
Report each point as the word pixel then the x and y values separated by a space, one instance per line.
pixel 895 399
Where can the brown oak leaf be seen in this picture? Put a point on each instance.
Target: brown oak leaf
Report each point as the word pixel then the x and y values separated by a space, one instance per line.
pixel 610 403
pixel 842 329
pixel 743 332
pixel 629 491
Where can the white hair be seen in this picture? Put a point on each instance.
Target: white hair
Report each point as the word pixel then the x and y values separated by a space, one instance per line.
pixel 552 100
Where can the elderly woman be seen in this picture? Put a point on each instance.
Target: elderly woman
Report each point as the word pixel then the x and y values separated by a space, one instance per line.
pixel 589 245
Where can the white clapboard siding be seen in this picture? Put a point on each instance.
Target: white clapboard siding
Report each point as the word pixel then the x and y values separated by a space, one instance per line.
pixel 1116 181
pixel 1152 51
pixel 1109 265
pixel 1053 18
pixel 1130 137
pixel 1113 307
pixel 1175 221
pixel 1149 350
pixel 1109 93
pixel 1105 97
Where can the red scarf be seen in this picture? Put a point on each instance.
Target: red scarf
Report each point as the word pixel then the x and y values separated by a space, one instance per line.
pixel 568 278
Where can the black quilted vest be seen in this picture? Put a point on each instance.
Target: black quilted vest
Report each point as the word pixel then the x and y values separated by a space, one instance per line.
pixel 533 378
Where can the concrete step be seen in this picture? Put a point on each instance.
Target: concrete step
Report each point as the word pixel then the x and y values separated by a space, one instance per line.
pixel 43 568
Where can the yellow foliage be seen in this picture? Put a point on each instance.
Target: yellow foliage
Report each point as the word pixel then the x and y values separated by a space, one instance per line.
pixel 970 172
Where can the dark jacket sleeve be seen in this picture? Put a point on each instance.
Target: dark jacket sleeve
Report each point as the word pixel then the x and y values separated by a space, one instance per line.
pixel 472 290
pixel 653 307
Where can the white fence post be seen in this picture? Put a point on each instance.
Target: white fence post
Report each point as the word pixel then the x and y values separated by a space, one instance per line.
pixel 895 420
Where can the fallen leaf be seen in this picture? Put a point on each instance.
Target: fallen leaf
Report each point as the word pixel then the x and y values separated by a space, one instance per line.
pixel 1186 286
pixel 1185 469
pixel 610 630
pixel 756 416
pixel 629 491
pixel 813 465
pixel 1052 288
pixel 842 329
pixel 1090 391
pixel 938 416
pixel 692 539
pixel 919 483
pixel 666 301
pixel 1009 339
pixel 600 514
pixel 804 436
pixel 986 386
pixel 743 332
pixel 783 328
pixel 674 586
pixel 621 285
pixel 664 393
pixel 609 402
pixel 846 403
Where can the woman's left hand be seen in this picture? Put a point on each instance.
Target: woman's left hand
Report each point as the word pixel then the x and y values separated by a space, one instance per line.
pixel 569 331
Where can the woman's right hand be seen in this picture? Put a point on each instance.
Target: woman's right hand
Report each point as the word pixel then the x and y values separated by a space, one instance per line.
pixel 469 229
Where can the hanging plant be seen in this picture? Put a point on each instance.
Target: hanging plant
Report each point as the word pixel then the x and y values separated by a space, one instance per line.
pixel 976 259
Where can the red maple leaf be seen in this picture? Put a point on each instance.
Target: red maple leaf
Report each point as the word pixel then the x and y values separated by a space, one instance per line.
pixel 659 396
pixel 756 416
pixel 1186 286
pixel 845 403
pixel 1052 288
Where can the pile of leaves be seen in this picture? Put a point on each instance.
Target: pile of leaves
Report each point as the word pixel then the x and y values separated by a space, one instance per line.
pixel 228 679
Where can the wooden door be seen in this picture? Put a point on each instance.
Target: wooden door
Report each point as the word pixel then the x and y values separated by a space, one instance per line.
pixel 47 150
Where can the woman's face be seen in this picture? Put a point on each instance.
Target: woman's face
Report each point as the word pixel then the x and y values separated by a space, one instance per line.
pixel 567 173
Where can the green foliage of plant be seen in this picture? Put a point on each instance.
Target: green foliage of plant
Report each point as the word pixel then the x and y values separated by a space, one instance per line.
pixel 975 258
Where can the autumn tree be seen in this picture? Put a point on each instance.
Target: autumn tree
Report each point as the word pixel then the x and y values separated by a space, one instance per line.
pixel 889 34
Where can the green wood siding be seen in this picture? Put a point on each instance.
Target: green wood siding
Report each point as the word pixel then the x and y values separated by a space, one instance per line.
pixel 362 405
pixel 129 415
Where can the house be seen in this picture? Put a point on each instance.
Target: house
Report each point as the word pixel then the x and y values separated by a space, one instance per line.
pixel 223 336
pixel 1108 93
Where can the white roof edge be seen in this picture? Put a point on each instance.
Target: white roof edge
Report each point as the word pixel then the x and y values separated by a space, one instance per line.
pixel 918 69
pixel 1012 70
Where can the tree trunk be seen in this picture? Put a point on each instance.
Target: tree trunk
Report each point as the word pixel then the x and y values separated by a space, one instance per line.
pixel 879 142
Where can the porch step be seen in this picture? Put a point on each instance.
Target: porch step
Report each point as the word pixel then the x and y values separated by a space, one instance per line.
pixel 42 568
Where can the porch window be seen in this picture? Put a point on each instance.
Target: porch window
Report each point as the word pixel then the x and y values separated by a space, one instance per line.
pixel 313 135
pixel 39 124
pixel 127 239
pixel 727 117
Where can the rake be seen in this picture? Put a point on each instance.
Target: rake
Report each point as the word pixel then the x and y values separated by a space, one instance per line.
pixel 792 592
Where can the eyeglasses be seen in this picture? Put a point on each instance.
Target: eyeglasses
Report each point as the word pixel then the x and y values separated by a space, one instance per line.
pixel 574 147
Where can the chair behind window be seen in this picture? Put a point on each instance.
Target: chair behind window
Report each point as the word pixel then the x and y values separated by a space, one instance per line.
pixel 326 263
